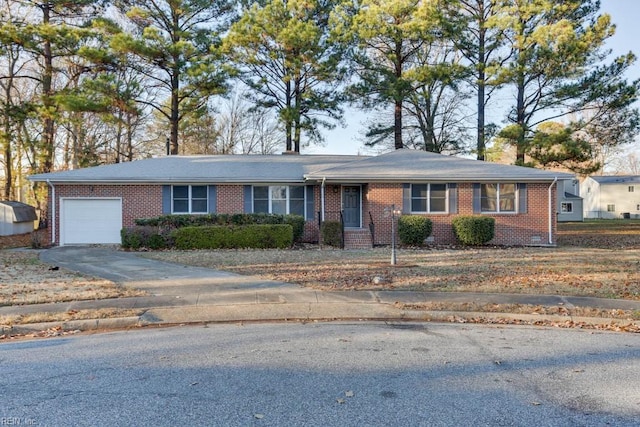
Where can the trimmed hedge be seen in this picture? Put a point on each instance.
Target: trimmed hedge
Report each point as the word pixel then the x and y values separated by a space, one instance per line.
pixel 178 221
pixel 145 237
pixel 332 233
pixel 474 229
pixel 414 229
pixel 260 236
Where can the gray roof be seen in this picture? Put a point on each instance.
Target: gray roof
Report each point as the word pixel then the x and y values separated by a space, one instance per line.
pixel 617 179
pixel 202 169
pixel 21 211
pixel 571 196
pixel 396 166
pixel 414 165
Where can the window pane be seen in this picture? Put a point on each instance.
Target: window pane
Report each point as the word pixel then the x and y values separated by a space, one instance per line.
pixel 438 190
pixel 296 207
pixel 419 190
pixel 261 206
pixel 279 207
pixel 181 206
pixel 199 192
pixel 296 192
pixel 180 191
pixel 488 197
pixel 261 193
pixel 438 205
pixel 438 201
pixel 199 206
pixel 278 193
pixel 508 197
pixel 418 205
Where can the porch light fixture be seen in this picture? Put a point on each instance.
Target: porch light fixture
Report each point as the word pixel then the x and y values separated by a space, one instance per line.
pixel 336 189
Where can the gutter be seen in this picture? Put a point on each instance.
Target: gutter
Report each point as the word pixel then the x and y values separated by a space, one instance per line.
pixel 322 199
pixel 551 210
pixel 53 212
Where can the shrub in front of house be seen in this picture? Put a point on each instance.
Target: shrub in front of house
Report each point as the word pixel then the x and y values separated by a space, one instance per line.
pixel 474 229
pixel 145 236
pixel 331 232
pixel 413 229
pixel 256 236
pixel 171 222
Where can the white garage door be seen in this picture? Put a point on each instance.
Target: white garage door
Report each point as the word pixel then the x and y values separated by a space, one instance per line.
pixel 85 221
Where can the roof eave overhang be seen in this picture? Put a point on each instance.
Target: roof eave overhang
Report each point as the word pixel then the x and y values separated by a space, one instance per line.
pixel 360 180
pixel 165 181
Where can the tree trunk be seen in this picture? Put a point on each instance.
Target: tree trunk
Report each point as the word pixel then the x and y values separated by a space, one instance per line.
pixel 8 159
pixel 520 119
pixel 298 115
pixel 47 151
pixel 129 153
pixel 397 112
pixel 175 113
pixel 175 87
pixel 482 32
pixel 287 119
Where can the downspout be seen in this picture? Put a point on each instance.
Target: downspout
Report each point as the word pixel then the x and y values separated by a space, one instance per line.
pixel 322 199
pixel 551 211
pixel 53 212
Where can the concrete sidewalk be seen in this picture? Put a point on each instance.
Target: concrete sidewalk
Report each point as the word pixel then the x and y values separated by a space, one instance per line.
pixel 180 294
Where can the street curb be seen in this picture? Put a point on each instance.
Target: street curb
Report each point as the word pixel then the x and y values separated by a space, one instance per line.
pixel 73 325
pixel 303 312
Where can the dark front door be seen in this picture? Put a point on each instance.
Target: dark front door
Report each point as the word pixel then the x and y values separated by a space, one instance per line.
pixel 351 206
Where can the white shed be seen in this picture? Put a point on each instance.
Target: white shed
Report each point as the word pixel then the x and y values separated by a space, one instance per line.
pixel 16 218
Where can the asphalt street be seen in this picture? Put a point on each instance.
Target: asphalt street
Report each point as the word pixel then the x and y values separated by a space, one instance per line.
pixel 324 374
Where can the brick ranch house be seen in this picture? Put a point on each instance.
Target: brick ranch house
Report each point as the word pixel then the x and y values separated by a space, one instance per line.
pixel 92 205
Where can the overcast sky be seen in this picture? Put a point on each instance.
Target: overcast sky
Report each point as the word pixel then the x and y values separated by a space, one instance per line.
pixel 624 14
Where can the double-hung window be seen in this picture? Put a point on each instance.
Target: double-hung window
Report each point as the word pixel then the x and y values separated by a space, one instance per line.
pixel 428 198
pixel 189 199
pixel 279 199
pixel 566 207
pixel 498 197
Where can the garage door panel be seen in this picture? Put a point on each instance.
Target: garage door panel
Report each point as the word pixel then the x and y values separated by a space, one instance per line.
pixel 88 221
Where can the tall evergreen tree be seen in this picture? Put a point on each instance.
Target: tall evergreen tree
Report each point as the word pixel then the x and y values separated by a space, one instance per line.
pixel 387 36
pixel 51 32
pixel 554 73
pixel 483 46
pixel 179 40
pixel 289 61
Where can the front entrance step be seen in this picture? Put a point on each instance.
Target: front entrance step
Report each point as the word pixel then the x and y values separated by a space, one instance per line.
pixel 359 238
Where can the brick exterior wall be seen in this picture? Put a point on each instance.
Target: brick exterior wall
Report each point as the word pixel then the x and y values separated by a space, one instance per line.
pixel 530 228
pixel 230 199
pixel 141 201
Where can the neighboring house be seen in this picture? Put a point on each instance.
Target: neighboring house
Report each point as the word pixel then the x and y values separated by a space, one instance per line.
pixel 92 205
pixel 570 205
pixel 610 197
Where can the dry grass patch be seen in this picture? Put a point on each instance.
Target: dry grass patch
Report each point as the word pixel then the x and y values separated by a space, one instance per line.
pixel 604 234
pixel 26 280
pixel 559 310
pixel 565 271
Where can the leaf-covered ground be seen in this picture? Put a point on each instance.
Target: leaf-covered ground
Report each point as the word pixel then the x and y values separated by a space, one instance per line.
pixel 593 259
pixel 25 280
